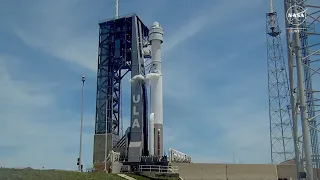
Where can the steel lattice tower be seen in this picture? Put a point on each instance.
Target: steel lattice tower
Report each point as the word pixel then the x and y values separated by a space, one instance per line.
pixel 311 67
pixel 304 47
pixel 121 41
pixel 281 139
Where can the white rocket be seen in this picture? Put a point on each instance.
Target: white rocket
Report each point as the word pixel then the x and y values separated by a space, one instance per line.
pixel 156 116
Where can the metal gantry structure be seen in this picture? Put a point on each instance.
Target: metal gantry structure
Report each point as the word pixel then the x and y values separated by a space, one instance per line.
pixel 113 65
pixel 303 45
pixel 308 35
pixel 282 148
pixel 121 41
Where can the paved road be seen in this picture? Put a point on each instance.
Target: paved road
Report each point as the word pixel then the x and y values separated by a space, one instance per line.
pixel 126 177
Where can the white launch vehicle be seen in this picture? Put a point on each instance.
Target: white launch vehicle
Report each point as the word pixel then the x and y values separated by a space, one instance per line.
pixel 156 115
pixel 154 79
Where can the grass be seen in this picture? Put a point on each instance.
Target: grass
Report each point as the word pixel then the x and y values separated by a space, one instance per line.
pixel 32 174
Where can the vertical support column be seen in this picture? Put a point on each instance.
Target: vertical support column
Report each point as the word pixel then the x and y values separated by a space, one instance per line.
pixel 294 114
pixel 302 98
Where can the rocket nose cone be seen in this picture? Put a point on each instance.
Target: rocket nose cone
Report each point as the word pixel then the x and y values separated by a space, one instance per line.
pixel 155 24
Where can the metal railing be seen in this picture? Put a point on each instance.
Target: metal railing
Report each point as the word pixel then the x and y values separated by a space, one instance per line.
pixel 158 168
pixel 179 157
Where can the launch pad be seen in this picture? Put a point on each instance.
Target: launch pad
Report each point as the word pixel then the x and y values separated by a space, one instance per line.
pixel 125 45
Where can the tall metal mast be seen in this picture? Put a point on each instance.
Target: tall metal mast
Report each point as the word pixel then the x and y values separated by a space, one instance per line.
pixel 302 98
pixel 282 144
pixel 121 96
pixel 294 109
pixel 117 8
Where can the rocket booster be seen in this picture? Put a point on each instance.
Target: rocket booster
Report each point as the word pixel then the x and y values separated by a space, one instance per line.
pixel 156 39
pixel 151 135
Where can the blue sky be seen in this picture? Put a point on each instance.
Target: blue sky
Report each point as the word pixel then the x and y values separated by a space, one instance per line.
pixel 214 75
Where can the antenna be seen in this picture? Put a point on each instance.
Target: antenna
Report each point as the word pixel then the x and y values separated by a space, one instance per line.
pixel 117 9
pixel 271 13
pixel 271 6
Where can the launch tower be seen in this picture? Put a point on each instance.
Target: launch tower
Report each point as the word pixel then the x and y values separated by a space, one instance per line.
pixel 121 42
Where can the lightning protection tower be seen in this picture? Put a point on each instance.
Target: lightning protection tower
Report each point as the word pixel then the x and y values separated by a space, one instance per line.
pixel 310 53
pixel 303 46
pixel 282 144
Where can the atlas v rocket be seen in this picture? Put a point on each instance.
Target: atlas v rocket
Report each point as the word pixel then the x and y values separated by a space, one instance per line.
pixel 156 114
